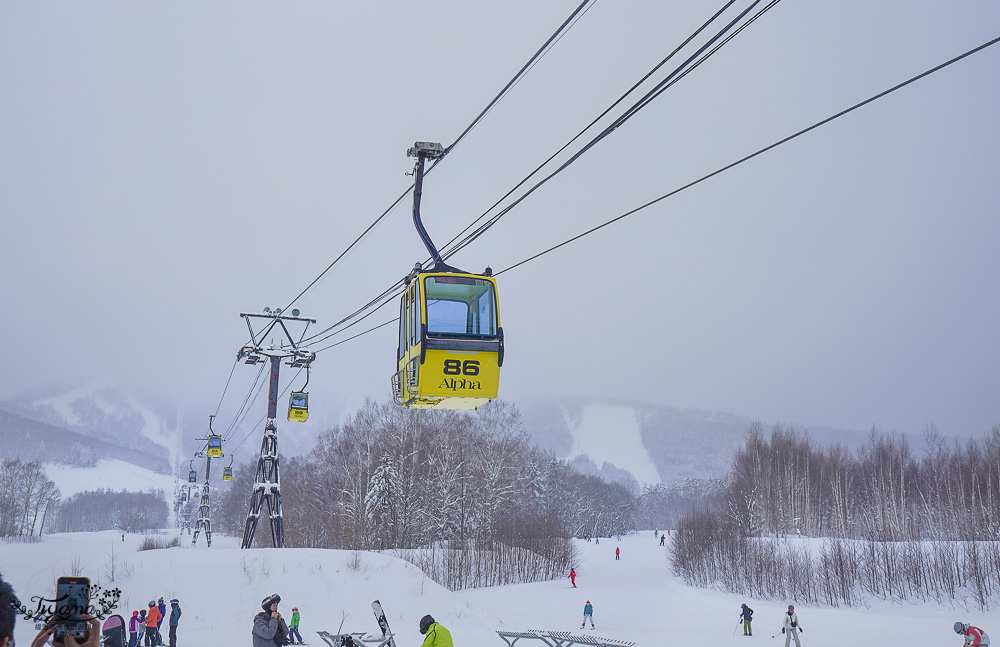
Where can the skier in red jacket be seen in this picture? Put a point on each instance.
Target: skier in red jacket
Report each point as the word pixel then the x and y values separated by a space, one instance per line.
pixel 572 577
pixel 974 636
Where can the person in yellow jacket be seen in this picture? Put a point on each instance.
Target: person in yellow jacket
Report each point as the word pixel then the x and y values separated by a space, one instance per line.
pixel 434 634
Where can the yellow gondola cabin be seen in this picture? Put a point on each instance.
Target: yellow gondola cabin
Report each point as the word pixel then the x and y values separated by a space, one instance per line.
pixel 450 341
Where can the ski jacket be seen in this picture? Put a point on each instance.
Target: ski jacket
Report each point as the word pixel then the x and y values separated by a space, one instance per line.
pixel 162 608
pixel 588 609
pixel 976 637
pixel 133 624
pixel 295 621
pixel 791 621
pixel 268 632
pixel 153 617
pixel 175 614
pixel 747 614
pixel 437 636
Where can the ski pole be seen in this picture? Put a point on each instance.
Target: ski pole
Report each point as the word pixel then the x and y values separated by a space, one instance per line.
pixel 736 627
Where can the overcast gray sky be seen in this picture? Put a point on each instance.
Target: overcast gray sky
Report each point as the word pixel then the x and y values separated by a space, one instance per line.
pixel 165 166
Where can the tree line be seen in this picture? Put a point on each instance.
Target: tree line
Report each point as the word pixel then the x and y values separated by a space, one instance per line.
pixel 27 497
pixel 105 509
pixel 463 494
pixel 878 506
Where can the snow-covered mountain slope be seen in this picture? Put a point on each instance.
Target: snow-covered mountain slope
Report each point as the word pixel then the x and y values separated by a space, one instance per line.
pixel 635 599
pixel 108 474
pixel 652 442
pixel 610 434
pixel 106 414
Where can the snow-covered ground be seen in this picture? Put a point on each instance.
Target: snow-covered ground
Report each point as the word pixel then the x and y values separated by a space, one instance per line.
pixel 108 474
pixel 635 599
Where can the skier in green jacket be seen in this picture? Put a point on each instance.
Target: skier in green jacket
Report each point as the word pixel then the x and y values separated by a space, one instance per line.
pixel 434 634
pixel 293 628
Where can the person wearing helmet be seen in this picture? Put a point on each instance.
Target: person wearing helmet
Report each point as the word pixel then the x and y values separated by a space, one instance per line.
pixel 434 634
pixel 269 628
pixel 133 629
pixel 163 614
pixel 152 621
pixel 791 627
pixel 974 636
pixel 293 628
pixel 588 612
pixel 746 615
pixel 175 617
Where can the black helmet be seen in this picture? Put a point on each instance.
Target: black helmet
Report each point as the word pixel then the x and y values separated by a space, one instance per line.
pixel 269 600
pixel 425 623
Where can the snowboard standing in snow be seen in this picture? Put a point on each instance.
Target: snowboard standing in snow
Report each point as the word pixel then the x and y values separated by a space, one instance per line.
pixel 383 623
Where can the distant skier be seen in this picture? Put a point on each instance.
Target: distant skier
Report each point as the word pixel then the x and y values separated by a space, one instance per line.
pixel 746 615
pixel 572 577
pixel 293 628
pixel 662 537
pixel 175 617
pixel 791 627
pixel 588 614
pixel 597 540
pixel 434 634
pixel 269 629
pixel 618 553
pixel 974 636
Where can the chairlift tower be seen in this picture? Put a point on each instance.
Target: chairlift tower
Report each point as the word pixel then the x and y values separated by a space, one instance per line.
pixel 204 506
pixel 204 521
pixel 267 482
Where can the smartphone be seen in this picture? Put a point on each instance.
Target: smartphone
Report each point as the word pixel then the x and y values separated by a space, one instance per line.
pixel 72 601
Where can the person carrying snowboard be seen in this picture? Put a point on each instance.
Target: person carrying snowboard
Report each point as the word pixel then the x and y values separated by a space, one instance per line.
pixel 974 636
pixel 791 627
pixel 588 613
pixel 434 634
pixel 572 577
pixel 745 615
pixel 293 628
pixel 269 629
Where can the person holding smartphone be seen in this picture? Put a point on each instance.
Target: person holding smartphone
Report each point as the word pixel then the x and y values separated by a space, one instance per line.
pixel 8 616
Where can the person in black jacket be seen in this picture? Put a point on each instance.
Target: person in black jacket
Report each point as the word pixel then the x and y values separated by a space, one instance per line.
pixel 746 615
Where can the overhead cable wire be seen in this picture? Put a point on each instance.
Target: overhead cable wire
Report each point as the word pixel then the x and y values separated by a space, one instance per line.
pixel 544 49
pixel 731 165
pixel 262 418
pixel 246 401
pixel 595 120
pixel 335 328
pixel 679 72
pixel 228 380
pixel 761 151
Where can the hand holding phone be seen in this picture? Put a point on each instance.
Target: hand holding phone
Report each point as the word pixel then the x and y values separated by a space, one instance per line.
pixel 72 602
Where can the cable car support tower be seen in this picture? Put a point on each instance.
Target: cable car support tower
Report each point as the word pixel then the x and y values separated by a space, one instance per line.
pixel 267 482
pixel 204 521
